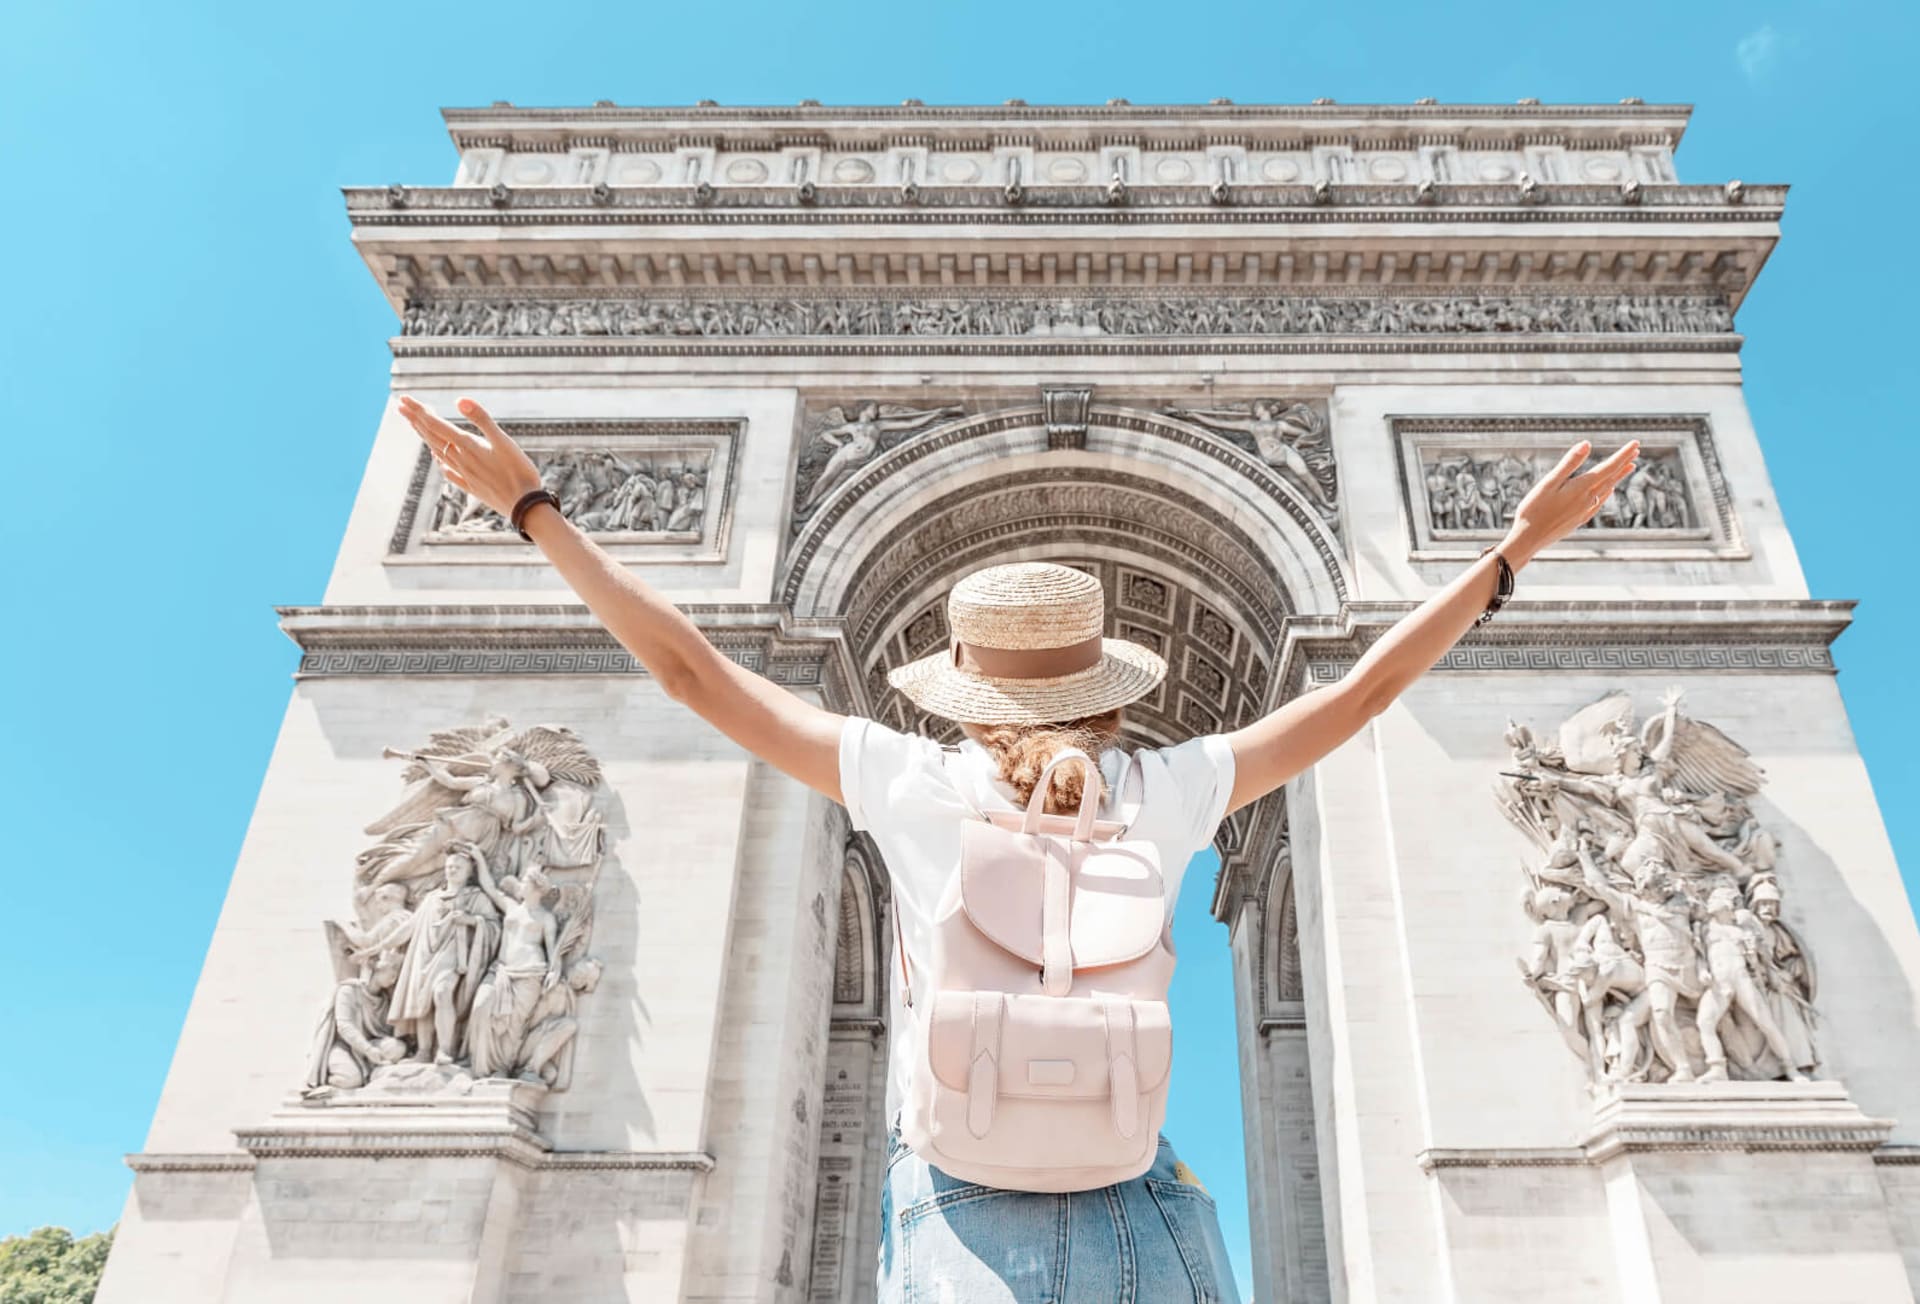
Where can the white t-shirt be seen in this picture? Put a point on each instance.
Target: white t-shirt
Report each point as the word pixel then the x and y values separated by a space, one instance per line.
pixel 897 790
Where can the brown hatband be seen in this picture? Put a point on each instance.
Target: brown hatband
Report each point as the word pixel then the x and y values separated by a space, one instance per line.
pixel 1027 663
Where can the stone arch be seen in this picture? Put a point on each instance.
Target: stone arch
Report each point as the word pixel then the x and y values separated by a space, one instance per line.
pixel 861 941
pixel 1200 472
pixel 1204 553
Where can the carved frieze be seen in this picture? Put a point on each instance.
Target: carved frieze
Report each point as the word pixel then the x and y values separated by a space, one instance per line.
pixel 1463 477
pixel 626 483
pixel 1037 316
pixel 1659 948
pixel 837 442
pixel 466 956
pixel 1289 436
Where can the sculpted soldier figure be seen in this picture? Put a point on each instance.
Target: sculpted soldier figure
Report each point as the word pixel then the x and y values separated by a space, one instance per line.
pixel 1600 967
pixel 353 1037
pixel 1731 947
pixel 1661 916
pixel 1547 961
pixel 1790 977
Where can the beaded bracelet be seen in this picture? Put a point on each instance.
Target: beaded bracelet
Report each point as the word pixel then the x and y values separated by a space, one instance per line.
pixel 1502 591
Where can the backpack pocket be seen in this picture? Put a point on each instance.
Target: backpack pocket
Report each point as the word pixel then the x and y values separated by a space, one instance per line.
pixel 1047 1082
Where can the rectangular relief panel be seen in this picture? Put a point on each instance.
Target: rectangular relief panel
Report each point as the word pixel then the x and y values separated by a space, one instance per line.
pixel 1462 477
pixel 645 490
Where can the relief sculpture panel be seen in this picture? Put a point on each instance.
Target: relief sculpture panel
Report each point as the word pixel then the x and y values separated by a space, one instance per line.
pixel 466 954
pixel 1463 478
pixel 1659 948
pixel 640 486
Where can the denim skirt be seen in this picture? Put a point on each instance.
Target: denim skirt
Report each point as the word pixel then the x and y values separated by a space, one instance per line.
pixel 1153 1240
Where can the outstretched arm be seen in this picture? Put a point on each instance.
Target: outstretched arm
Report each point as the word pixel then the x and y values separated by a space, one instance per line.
pixel 1663 749
pixel 1285 742
pixel 792 735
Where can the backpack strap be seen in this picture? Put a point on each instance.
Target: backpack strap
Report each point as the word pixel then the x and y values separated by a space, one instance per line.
pixel 900 950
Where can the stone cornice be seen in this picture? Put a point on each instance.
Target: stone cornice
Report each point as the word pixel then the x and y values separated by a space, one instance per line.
pixel 525 1150
pixel 1667 1118
pixel 237 1161
pixel 773 126
pixel 358 641
pixel 1734 636
pixel 1676 239
pixel 1730 636
pixel 1044 205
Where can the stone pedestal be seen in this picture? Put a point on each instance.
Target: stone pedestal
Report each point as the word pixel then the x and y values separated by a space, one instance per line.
pixel 1746 1191
pixel 388 1195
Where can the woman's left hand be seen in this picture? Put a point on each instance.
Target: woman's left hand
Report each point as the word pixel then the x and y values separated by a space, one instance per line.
pixel 489 466
pixel 1561 501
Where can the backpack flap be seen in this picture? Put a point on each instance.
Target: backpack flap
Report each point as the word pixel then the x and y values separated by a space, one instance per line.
pixel 1116 896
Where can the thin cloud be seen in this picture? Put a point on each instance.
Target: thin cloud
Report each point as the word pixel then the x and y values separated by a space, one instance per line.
pixel 1758 51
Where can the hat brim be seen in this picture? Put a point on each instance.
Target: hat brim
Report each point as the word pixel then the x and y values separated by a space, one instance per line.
pixel 1125 672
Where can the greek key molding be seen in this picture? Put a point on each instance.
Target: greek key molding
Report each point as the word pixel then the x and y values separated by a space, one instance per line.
pixel 1704 656
pixel 212 1162
pixel 361 641
pixel 1733 636
pixel 526 1150
pixel 788 671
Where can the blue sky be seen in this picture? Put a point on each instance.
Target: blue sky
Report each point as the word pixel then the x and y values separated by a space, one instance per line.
pixel 193 361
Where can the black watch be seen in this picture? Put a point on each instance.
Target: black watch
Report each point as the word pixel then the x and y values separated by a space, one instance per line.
pixel 1502 591
pixel 525 505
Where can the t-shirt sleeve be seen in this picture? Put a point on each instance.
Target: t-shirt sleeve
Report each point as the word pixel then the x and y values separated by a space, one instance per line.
pixel 1203 771
pixel 880 766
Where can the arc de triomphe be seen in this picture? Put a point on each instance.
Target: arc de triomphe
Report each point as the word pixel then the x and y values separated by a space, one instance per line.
pixel 1273 373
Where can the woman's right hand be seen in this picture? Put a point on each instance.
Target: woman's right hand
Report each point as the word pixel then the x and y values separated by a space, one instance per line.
pixel 490 467
pixel 1562 502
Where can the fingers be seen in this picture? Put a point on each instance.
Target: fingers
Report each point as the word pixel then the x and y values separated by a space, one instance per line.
pixel 447 443
pixel 1572 458
pixel 1620 461
pixel 482 418
pixel 440 434
pixel 1614 468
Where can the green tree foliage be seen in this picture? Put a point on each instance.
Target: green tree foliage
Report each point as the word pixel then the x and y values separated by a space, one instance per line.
pixel 51 1267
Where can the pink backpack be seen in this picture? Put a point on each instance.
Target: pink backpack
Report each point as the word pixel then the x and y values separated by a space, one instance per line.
pixel 1042 1037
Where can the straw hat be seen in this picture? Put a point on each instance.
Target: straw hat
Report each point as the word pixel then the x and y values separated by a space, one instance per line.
pixel 1026 648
